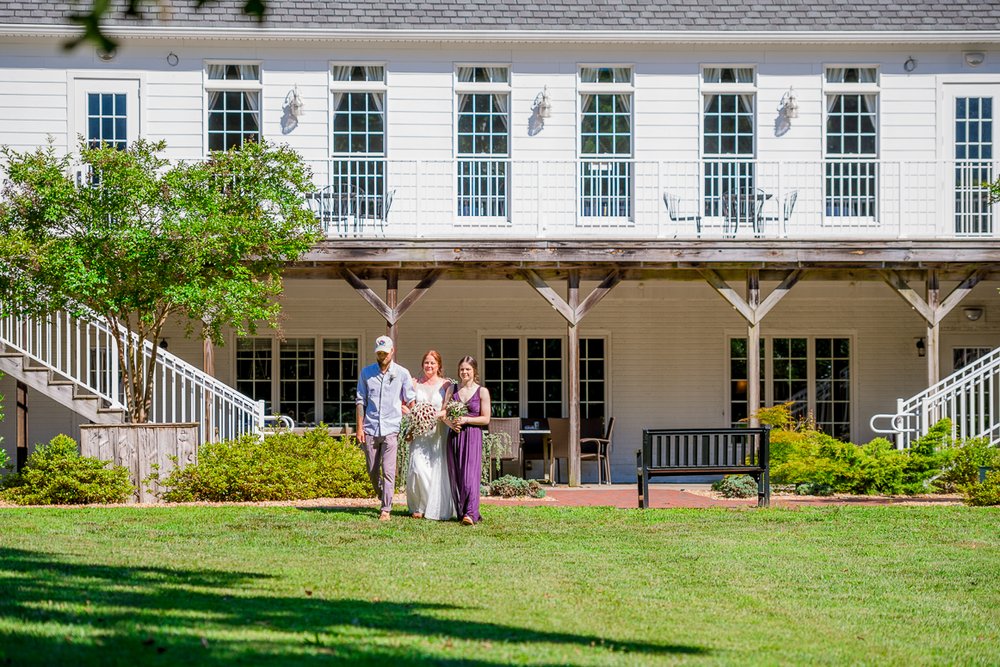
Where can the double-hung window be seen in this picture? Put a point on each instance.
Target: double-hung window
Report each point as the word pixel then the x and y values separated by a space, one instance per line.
pixel 813 374
pixel 483 141
pixel 357 170
pixel 233 94
pixel 606 146
pixel 728 138
pixel 851 172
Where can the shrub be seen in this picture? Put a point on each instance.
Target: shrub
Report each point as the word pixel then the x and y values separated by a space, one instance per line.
pixel 495 445
pixel 814 489
pixel 963 462
pixel 283 466
pixel 5 463
pixel 509 486
pixel 736 486
pixel 56 474
pixel 983 493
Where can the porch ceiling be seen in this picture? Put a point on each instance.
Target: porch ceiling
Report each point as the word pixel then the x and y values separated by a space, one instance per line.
pixel 500 259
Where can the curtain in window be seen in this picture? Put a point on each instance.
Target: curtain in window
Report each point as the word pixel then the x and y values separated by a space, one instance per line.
pixel 626 102
pixel 867 75
pixel 215 72
pixel 342 72
pixel 376 100
pixel 833 75
pixel 744 75
pixel 587 102
pixel 621 74
pixel 465 74
pixel 374 73
pixel 497 74
pixel 709 99
pixel 249 73
pixel 501 100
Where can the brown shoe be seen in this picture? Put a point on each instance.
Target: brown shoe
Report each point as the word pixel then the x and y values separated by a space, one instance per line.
pixel 384 516
pixel 467 520
pixel 417 515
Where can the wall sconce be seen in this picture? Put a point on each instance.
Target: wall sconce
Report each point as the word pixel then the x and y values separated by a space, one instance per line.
pixel 542 105
pixel 172 59
pixel 910 64
pixel 293 103
pixel 789 105
pixel 973 313
pixel 974 58
pixel 921 348
pixel 163 343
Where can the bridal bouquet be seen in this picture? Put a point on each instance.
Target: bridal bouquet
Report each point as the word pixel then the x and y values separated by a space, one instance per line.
pixel 456 409
pixel 418 421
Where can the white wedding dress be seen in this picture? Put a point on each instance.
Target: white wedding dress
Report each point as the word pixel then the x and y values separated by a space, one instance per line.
pixel 428 487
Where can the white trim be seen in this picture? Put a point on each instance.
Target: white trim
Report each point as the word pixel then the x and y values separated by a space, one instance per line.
pixel 712 37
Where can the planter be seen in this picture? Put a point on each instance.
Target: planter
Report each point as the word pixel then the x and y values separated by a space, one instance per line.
pixel 139 447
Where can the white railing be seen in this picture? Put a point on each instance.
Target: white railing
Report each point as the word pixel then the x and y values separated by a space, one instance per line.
pixel 84 350
pixel 864 199
pixel 969 397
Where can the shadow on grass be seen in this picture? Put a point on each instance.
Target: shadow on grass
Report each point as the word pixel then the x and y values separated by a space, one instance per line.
pixel 54 611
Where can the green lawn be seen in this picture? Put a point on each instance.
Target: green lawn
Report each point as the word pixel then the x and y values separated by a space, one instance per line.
pixel 533 585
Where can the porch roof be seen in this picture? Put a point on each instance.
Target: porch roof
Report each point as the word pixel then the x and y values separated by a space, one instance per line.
pixel 499 259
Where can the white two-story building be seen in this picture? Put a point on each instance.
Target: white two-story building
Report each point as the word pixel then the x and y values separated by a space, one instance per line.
pixel 665 212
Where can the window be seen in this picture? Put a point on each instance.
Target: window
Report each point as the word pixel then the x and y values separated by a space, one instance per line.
pixel 483 141
pixel 358 169
pixel 973 165
pixel 293 384
pixel 728 134
pixel 525 376
pixel 963 356
pixel 813 374
pixel 233 105
pixel 605 142
pixel 851 180
pixel 107 119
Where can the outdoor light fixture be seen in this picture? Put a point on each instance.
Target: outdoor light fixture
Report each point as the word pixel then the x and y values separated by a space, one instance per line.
pixel 172 59
pixel 973 313
pixel 543 105
pixel 293 103
pixel 789 105
pixel 921 348
pixel 910 64
pixel 974 58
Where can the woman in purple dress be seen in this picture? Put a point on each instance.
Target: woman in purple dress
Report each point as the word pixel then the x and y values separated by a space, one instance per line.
pixel 465 444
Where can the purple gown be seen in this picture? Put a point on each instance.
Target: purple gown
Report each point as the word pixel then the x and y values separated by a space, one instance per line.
pixel 465 462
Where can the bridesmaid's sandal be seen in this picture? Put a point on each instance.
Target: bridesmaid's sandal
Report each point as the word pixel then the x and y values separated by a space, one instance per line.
pixel 467 521
pixel 417 515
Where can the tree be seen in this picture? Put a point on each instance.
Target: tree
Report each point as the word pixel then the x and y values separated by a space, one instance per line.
pixel 92 21
pixel 143 241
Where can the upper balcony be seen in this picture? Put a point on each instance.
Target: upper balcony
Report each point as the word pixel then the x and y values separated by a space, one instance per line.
pixel 858 200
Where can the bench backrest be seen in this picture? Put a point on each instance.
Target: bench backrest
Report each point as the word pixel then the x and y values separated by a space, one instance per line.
pixel 706 448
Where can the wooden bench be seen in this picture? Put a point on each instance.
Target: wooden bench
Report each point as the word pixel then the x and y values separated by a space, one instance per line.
pixel 694 451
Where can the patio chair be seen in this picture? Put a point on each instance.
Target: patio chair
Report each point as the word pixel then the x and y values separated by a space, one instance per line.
pixel 559 438
pixel 601 447
pixel 743 206
pixel 673 212
pixel 512 427
pixel 332 206
pixel 787 206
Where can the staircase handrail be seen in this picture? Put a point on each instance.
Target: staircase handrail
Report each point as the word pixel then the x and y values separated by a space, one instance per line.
pixel 190 388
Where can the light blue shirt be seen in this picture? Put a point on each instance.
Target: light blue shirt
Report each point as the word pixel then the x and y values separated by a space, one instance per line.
pixel 383 395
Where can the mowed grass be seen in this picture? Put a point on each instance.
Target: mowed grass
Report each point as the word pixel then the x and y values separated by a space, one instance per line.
pixel 533 585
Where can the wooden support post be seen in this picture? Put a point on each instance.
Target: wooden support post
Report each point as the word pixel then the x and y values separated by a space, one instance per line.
pixel 753 348
pixel 933 330
pixel 208 354
pixel 391 294
pixel 21 401
pixel 573 339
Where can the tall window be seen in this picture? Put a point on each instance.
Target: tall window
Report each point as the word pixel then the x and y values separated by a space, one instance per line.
pixel 973 165
pixel 483 141
pixel 357 171
pixel 728 135
pixel 107 119
pixel 813 374
pixel 293 384
pixel 525 376
pixel 605 142
pixel 851 181
pixel 233 93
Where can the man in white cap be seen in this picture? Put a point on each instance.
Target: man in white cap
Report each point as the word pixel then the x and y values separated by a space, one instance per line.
pixel 383 389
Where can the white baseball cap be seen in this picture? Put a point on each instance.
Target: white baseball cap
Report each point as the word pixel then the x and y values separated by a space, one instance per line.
pixel 383 344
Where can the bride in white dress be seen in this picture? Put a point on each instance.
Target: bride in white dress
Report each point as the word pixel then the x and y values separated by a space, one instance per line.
pixel 428 487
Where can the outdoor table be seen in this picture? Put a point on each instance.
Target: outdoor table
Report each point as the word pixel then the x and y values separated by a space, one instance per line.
pixel 546 448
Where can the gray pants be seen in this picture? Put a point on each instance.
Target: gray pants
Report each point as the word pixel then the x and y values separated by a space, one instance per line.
pixel 380 453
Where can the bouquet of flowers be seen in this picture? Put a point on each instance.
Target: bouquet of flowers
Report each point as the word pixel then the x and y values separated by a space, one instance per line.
pixel 418 421
pixel 456 409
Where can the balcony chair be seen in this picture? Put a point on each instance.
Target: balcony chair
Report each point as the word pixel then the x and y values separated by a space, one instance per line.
pixel 590 429
pixel 512 427
pixel 602 447
pixel 673 212
pixel 787 206
pixel 743 206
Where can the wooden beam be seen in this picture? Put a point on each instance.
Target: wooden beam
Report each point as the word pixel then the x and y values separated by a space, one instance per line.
pixel 550 295
pixel 779 293
pixel 417 292
pixel 599 293
pixel 900 286
pixel 933 329
pixel 573 339
pixel 391 294
pixel 753 348
pixel 368 295
pixel 956 296
pixel 729 294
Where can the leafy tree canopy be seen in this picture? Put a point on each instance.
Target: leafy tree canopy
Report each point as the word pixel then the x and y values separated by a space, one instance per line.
pixel 141 240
